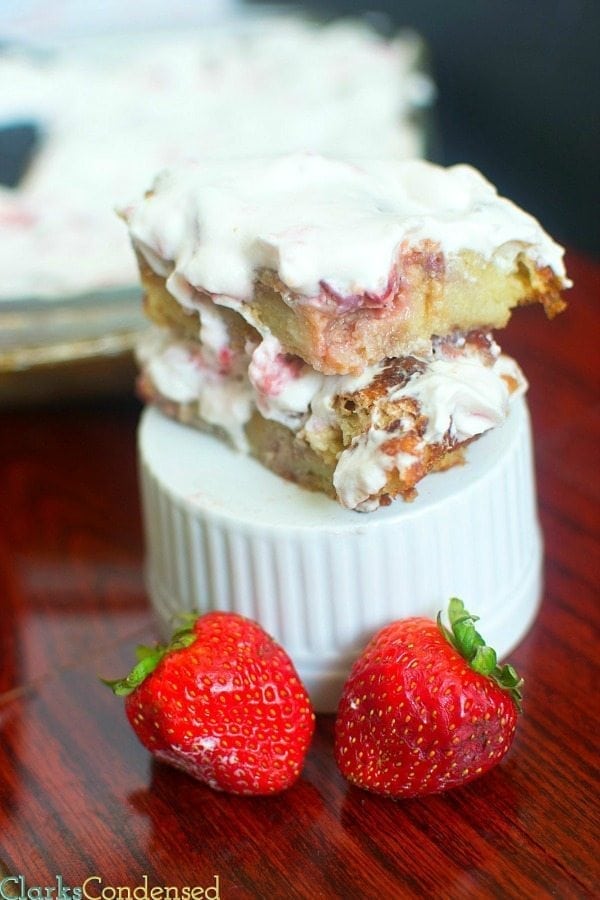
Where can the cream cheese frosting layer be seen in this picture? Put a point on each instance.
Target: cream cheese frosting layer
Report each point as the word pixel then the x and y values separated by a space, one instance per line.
pixel 326 227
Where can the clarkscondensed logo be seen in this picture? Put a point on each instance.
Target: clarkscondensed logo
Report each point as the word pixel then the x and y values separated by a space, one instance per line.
pixel 15 887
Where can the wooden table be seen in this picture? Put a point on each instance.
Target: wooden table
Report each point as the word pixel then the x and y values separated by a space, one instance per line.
pixel 81 799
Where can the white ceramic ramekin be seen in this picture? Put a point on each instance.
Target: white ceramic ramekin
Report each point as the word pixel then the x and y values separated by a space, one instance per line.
pixel 222 532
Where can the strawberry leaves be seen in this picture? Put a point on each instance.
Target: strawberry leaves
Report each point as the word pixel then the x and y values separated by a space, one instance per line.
pixel 148 659
pixel 463 636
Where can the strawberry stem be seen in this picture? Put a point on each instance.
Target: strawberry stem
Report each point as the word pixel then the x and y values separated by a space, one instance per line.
pixel 149 658
pixel 468 642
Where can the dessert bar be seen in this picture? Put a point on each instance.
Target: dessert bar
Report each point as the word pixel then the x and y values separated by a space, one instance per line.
pixel 344 263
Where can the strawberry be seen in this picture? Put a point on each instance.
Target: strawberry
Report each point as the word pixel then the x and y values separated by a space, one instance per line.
pixel 425 709
pixel 223 702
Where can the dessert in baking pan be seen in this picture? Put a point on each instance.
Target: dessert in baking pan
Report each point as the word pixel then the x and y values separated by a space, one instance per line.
pixel 334 318
pixel 256 83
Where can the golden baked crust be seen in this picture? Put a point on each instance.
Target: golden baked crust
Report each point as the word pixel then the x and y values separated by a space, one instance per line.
pixel 163 309
pixel 433 296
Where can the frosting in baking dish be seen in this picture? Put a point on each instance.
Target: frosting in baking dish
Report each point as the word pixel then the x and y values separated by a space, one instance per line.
pixel 330 229
pixel 114 113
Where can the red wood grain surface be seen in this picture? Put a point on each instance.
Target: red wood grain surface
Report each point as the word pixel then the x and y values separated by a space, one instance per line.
pixel 81 799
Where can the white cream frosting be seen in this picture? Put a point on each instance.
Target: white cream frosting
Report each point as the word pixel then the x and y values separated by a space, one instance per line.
pixel 185 373
pixel 362 471
pixel 322 222
pixel 461 392
pixel 284 386
pixel 115 112
pixel 461 399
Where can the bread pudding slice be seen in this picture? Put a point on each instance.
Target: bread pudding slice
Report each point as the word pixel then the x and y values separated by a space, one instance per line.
pixel 364 439
pixel 345 264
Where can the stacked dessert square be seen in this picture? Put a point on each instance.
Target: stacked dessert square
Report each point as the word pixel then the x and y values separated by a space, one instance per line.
pixel 333 318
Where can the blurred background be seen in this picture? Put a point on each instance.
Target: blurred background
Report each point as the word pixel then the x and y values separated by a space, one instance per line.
pixel 518 96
